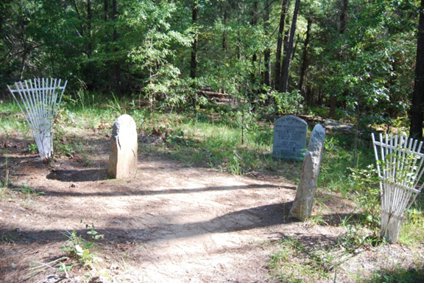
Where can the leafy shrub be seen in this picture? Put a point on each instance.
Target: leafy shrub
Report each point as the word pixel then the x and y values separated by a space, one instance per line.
pixel 288 102
pixel 365 187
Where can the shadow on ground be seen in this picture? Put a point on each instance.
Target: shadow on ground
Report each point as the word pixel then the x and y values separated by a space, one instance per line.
pixel 125 191
pixel 78 175
pixel 241 220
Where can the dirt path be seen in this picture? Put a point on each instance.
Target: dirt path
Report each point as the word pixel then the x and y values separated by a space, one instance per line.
pixel 169 223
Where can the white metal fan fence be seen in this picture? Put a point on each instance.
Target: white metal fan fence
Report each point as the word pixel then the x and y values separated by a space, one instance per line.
pixel 400 165
pixel 39 100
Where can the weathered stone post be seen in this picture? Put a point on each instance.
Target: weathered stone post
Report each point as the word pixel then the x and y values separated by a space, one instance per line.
pixel 123 157
pixel 303 203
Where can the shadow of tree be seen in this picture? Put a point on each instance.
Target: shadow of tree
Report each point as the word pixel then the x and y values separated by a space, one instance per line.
pixel 247 219
pixel 125 191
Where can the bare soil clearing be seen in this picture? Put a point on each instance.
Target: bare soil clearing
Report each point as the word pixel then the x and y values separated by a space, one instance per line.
pixel 168 223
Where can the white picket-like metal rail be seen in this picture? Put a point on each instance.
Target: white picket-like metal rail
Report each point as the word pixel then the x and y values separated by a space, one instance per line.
pixel 39 100
pixel 400 165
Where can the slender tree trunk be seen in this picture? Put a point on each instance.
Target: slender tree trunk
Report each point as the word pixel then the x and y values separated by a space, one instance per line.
pixel 108 85
pixel 25 48
pixel 267 52
pixel 194 53
pixel 89 46
pixel 114 15
pixel 254 21
pixel 283 11
pixel 225 17
pixel 343 17
pixel 89 28
pixel 341 29
pixel 304 60
pixel 295 47
pixel 285 47
pixel 417 108
pixel 105 9
pixel 288 53
pixel 116 65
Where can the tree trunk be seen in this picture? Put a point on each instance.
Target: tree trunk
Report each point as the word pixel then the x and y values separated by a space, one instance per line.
pixel 266 72
pixel 295 47
pixel 341 29
pixel 283 11
pixel 116 65
pixel 25 47
pixel 288 53
pixel 105 9
pixel 254 21
pixel 194 53
pixel 343 17
pixel 304 60
pixel 88 72
pixel 417 108
pixel 224 35
pixel 89 28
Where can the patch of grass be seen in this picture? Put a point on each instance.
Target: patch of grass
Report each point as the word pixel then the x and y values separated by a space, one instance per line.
pixel 218 145
pixel 28 191
pixel 12 119
pixel 24 193
pixel 412 230
pixel 357 237
pixel 339 158
pixel 401 275
pixel 295 263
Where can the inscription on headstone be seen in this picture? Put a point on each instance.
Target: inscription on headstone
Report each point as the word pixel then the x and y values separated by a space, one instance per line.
pixel 289 138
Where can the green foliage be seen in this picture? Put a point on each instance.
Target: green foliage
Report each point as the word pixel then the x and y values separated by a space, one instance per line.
pixel 32 148
pixel 288 103
pixel 79 248
pixel 143 49
pixel 151 53
pixel 365 187
pixel 234 166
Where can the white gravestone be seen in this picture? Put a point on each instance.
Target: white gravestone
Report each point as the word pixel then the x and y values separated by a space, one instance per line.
pixel 289 138
pixel 123 157
pixel 304 199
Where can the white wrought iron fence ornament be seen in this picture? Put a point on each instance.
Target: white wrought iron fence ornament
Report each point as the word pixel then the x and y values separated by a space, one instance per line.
pixel 400 165
pixel 39 100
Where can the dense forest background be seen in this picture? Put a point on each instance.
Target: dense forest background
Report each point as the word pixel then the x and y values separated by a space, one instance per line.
pixel 348 58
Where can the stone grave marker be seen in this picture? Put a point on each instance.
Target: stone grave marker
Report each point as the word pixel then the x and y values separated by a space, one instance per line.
pixel 303 203
pixel 289 138
pixel 123 157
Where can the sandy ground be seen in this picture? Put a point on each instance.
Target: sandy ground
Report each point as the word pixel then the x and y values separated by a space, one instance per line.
pixel 168 223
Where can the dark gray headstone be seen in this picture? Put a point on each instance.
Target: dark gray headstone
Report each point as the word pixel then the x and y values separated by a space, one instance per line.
pixel 289 138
